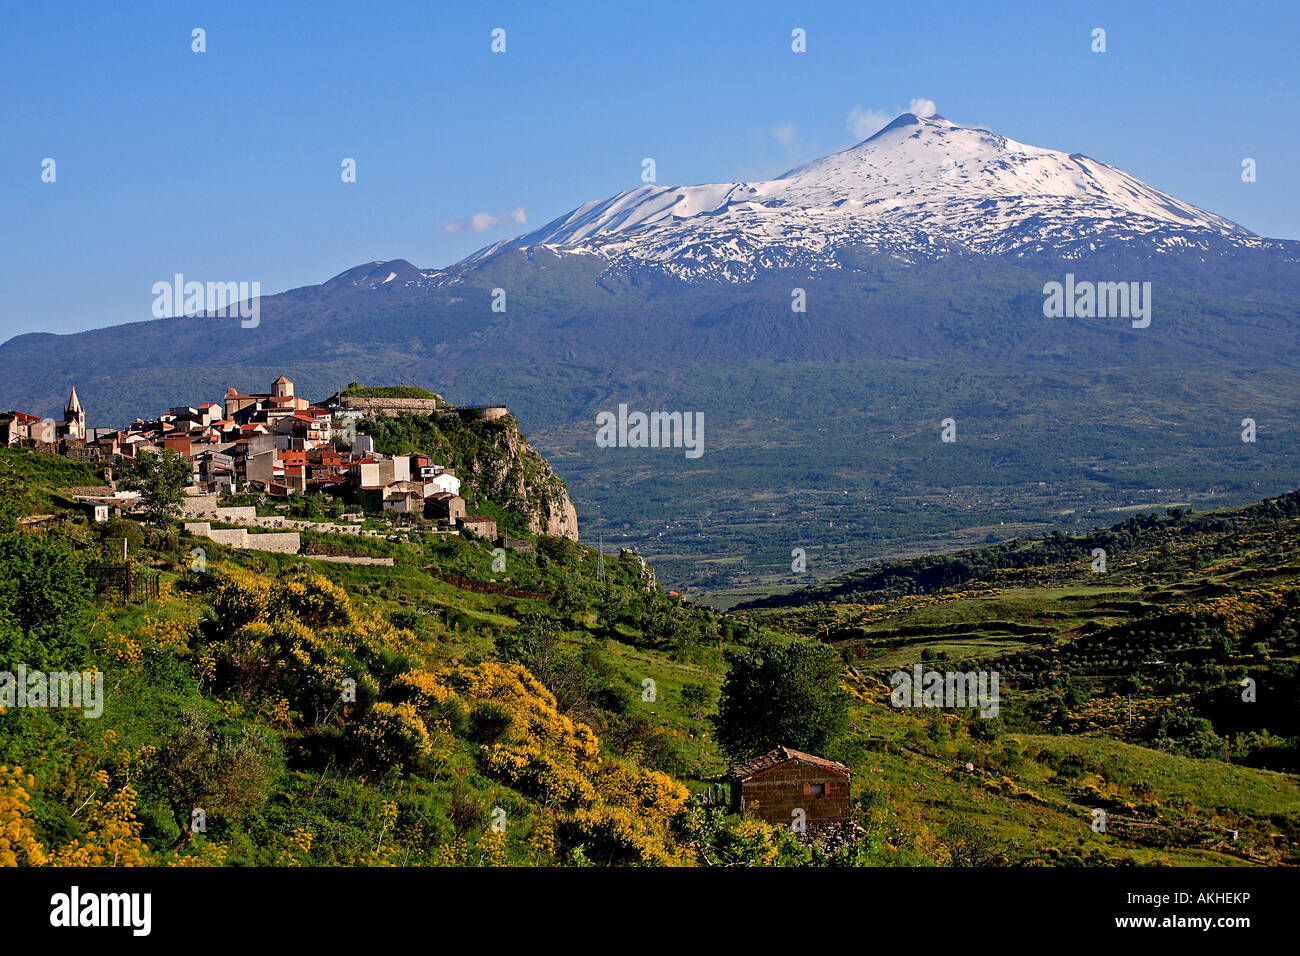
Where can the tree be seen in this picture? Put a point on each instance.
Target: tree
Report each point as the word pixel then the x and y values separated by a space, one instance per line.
pixel 613 604
pixel 161 480
pixel 45 599
pixel 201 768
pixel 781 693
pixel 696 698
pixel 535 643
pixel 569 595
pixel 661 624
pixel 971 844
pixel 1182 732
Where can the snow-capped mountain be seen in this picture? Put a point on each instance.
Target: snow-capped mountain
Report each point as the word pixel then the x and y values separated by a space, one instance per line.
pixel 922 187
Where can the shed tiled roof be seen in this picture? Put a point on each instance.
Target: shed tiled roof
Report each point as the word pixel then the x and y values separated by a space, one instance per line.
pixel 779 756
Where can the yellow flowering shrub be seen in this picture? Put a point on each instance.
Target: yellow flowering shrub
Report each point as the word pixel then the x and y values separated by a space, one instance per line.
pixel 208 854
pixel 612 834
pixel 421 688
pixel 240 597
pixel 313 599
pixel 112 836
pixel 122 648
pixel 1238 613
pixel 18 843
pixel 297 636
pixel 392 735
pixel 1118 716
pixel 160 632
pixel 535 720
pixel 655 796
pixel 487 849
pixel 625 810
pixel 542 840
pixel 298 852
pixel 752 840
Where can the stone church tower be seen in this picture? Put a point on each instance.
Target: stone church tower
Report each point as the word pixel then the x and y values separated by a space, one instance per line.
pixel 74 418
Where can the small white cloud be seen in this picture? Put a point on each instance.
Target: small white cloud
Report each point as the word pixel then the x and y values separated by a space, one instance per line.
pixel 483 221
pixel 863 122
pixel 784 133
pixel 921 107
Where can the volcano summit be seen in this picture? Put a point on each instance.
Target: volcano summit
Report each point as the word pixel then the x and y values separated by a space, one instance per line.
pixel 921 187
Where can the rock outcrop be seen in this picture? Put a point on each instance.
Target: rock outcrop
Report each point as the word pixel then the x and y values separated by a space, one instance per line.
pixel 644 572
pixel 482 444
pixel 503 466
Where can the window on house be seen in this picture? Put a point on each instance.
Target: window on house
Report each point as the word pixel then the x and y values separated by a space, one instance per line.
pixel 817 789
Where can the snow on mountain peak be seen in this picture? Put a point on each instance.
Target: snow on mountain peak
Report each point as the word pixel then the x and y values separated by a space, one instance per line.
pixel 917 161
pixel 918 187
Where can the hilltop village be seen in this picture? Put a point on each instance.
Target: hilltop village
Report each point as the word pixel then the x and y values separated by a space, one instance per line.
pixel 618 723
pixel 275 444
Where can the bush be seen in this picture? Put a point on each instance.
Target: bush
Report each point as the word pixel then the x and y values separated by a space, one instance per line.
pixel 390 737
pixel 200 766
pixel 1181 732
pixel 487 723
pixel 412 621
pixel 45 598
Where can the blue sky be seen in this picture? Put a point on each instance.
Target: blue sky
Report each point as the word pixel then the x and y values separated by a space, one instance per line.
pixel 225 165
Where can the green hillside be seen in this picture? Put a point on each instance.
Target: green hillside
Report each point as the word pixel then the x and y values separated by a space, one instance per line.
pixel 822 428
pixel 439 711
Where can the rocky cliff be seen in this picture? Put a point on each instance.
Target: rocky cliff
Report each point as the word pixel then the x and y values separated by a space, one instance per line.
pixel 504 467
pixel 491 458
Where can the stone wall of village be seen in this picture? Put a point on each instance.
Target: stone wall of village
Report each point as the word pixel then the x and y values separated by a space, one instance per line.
pixel 393 406
pixel 278 542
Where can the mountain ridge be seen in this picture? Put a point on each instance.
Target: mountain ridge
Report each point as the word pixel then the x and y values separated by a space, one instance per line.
pixel 827 412
pixel 921 187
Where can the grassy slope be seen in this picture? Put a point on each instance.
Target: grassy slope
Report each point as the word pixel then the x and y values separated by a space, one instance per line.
pixel 1041 811
pixel 992 620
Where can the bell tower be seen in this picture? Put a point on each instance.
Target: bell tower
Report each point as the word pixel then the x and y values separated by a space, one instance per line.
pixel 74 417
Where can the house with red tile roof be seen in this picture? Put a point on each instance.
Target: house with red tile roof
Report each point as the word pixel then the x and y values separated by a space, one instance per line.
pixel 786 785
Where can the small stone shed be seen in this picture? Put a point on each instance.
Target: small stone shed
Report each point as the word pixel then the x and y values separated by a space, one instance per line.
pixel 772 787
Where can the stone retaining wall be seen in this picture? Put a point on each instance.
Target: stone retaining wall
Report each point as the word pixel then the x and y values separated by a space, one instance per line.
pixel 350 559
pixel 284 542
pixel 205 506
